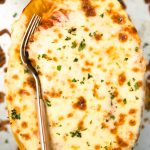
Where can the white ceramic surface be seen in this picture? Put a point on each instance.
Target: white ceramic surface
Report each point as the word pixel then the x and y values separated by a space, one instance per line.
pixel 140 16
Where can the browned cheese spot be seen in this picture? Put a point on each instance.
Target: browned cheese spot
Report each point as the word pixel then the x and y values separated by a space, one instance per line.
pixel 98 36
pixel 88 8
pixel 95 93
pixel 9 98
pixel 24 124
pixel 121 142
pixel 2 57
pixel 97 147
pixel 23 92
pixel 135 69
pixel 3 125
pixel 123 37
pixel 140 83
pixel 86 29
pixel 2 96
pixel 80 104
pixel 121 120
pixel 70 115
pixel 39 148
pixel 54 94
pixel 15 76
pixel 81 125
pixel 132 111
pixel 117 18
pixel 60 35
pixel 132 122
pixel 87 63
pixel 25 136
pixel 121 78
pixel 86 69
pixel 117 148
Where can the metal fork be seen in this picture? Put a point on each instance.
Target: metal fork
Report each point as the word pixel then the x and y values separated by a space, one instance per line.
pixel 41 109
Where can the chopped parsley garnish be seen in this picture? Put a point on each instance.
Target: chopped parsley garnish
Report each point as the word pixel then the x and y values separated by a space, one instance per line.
pixel 112 117
pixel 90 34
pixel 136 97
pixel 48 103
pixel 102 15
pixel 26 70
pixel 125 59
pixel 72 30
pixel 69 68
pixel 112 96
pixel 89 76
pixel 129 84
pixel 76 133
pixel 6 141
pixel 68 38
pixel 14 15
pixel 74 44
pixel 136 49
pixel 44 55
pixel 82 45
pixel 74 80
pixel 145 45
pixel 125 101
pixel 136 86
pixel 14 114
pixel 102 80
pixel 87 143
pixel 82 82
pixel 59 67
pixel 58 133
pixel 59 48
pixel 75 60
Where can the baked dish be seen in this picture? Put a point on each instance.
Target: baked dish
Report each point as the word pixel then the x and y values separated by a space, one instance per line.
pixel 88 57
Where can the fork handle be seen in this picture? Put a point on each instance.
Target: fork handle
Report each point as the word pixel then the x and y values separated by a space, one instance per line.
pixel 43 125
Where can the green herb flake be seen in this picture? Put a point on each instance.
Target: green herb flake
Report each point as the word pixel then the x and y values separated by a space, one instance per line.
pixel 136 49
pixel 82 45
pixel 136 86
pixel 76 133
pixel 15 115
pixel 59 67
pixel 145 45
pixel 136 97
pixel 74 80
pixel 90 34
pixel 89 76
pixel 14 15
pixel 74 44
pixel 112 117
pixel 129 84
pixel 72 30
pixel 6 141
pixel 48 103
pixel 102 15
pixel 59 49
pixel 68 38
pixel 75 60
pixel 125 59
pixel 125 101
pixel 58 133
pixel 69 68
pixel 102 80
pixel 44 55
pixel 26 71
pixel 87 143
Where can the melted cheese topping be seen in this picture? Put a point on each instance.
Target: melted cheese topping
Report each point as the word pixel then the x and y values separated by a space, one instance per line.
pixel 91 70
